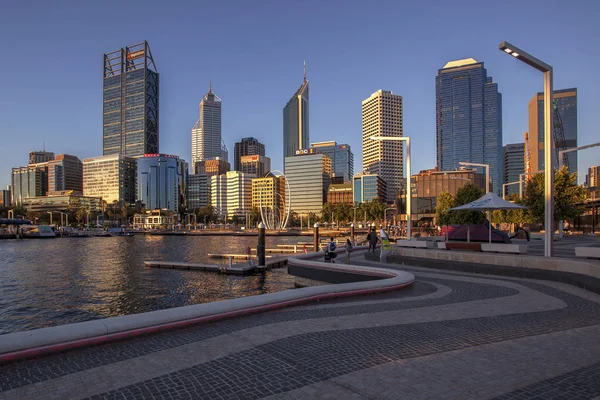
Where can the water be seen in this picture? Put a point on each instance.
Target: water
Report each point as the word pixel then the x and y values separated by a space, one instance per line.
pixel 59 281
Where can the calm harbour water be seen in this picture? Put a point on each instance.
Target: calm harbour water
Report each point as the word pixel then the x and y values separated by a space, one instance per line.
pixel 64 280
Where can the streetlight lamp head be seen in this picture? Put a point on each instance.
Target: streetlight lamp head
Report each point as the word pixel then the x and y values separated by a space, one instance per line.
pixel 525 57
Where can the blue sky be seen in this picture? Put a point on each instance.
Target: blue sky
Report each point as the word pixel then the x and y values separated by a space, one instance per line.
pixel 51 69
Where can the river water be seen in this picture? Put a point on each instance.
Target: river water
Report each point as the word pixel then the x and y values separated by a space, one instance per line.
pixel 59 281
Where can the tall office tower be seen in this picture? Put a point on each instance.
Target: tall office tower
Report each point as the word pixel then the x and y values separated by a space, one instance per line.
pixel 593 177
pixel 5 197
pixel 309 177
pixel 268 193
pixel 468 118
pixel 255 165
pixel 382 116
pixel 211 167
pixel 65 172
pixel 36 157
pixel 198 191
pixel 565 102
pixel 207 142
pixel 246 147
pixel 295 121
pixel 161 182
pixel 111 177
pixel 30 181
pixel 131 106
pixel 342 159
pixel 231 194
pixel 514 165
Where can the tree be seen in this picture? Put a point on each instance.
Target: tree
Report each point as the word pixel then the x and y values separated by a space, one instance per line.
pixel 328 209
pixel 464 195
pixel 445 201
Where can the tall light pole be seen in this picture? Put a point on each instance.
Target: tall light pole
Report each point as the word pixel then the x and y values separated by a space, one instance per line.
pixel 487 172
pixel 504 185
pixel 562 152
pixel 548 140
pixel 50 212
pixel 408 178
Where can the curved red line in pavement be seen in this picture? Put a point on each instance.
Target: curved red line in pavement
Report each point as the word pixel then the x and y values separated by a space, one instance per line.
pixel 60 347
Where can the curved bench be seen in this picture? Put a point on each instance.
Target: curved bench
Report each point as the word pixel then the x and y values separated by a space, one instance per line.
pixel 19 345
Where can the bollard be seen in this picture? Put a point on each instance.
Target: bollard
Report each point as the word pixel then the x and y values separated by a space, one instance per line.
pixel 260 248
pixel 230 262
pixel 316 238
pixel 352 234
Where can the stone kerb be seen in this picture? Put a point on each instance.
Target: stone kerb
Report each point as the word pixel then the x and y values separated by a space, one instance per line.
pixel 18 345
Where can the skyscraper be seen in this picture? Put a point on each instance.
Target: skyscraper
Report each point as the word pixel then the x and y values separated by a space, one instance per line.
pixel 593 177
pixel 246 147
pixel 295 121
pixel 30 181
pixel 255 165
pixel 468 118
pixel 130 93
pixel 161 182
pixel 111 177
pixel 342 159
pixel 36 157
pixel 309 177
pixel 65 172
pixel 565 102
pixel 514 165
pixel 382 116
pixel 207 143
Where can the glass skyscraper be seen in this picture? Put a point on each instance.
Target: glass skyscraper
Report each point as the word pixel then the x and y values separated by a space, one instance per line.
pixel 468 118
pixel 342 159
pixel 161 181
pixel 309 177
pixel 295 121
pixel 130 102
pixel 514 165
pixel 248 146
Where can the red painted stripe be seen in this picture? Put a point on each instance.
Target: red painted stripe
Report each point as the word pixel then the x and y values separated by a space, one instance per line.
pixel 74 344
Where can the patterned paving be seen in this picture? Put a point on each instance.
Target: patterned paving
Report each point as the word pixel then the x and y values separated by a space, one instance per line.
pixel 501 333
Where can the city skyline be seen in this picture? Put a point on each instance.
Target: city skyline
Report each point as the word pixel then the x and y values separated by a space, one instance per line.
pixel 340 80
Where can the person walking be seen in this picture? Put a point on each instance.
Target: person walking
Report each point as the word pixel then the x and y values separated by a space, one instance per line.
pixel 331 250
pixel 372 238
pixel 349 249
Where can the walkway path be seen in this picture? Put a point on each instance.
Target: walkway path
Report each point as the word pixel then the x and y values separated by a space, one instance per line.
pixel 449 336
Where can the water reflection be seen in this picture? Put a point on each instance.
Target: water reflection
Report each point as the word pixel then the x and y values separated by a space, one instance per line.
pixel 53 282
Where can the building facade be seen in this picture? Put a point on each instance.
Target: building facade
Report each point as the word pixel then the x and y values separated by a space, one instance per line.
pixel 246 147
pixel 340 193
pixel 308 176
pixel 37 157
pixel 30 181
pixel 212 167
pixel 5 196
pixel 565 103
pixel 65 172
pixel 161 182
pixel 113 178
pixel 207 143
pixel 295 121
pixel 198 191
pixel 593 177
pixel 468 118
pixel 268 192
pixel 130 102
pixel 382 116
pixel 514 165
pixel 342 159
pixel 255 165
pixel 66 201
pixel 231 194
pixel 368 187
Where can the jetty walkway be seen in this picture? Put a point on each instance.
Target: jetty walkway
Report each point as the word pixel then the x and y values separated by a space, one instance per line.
pixel 449 335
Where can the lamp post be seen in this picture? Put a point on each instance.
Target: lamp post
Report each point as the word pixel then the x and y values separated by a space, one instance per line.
pixel 504 185
pixel 487 172
pixel 408 178
pixel 548 141
pixel 562 152
pixel 385 216
pixel 50 212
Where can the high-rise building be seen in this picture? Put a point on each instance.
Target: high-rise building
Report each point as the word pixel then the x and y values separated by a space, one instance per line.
pixel 382 116
pixel 111 177
pixel 514 165
pixel 37 157
pixel 309 177
pixel 255 165
pixel 342 159
pixel 369 187
pixel 207 143
pixel 269 193
pixel 30 181
pixel 231 194
pixel 211 167
pixel 468 118
pixel 5 197
pixel 65 172
pixel 295 121
pixel 131 102
pixel 247 147
pixel 198 191
pixel 565 102
pixel 161 182
pixel 592 179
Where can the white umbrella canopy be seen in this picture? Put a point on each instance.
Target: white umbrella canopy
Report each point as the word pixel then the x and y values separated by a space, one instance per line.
pixel 487 202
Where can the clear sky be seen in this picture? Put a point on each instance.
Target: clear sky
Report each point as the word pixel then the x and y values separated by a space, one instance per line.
pixel 51 66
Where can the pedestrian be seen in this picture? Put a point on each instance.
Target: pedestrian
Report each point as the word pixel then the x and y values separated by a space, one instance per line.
pixel 331 254
pixel 349 250
pixel 372 239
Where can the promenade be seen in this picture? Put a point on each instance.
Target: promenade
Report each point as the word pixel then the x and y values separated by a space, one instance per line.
pixel 448 336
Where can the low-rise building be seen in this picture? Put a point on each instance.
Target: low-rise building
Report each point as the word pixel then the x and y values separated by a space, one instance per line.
pixel 340 193
pixel 65 201
pixel 155 219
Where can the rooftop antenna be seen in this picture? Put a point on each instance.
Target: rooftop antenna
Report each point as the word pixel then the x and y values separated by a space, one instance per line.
pixel 209 86
pixel 304 70
pixel 44 145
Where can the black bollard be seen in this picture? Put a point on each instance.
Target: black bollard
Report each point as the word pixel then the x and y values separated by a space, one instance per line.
pixel 260 248
pixel 316 238
pixel 352 234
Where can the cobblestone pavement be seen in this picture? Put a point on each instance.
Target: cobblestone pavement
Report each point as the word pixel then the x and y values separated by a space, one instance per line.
pixel 449 336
